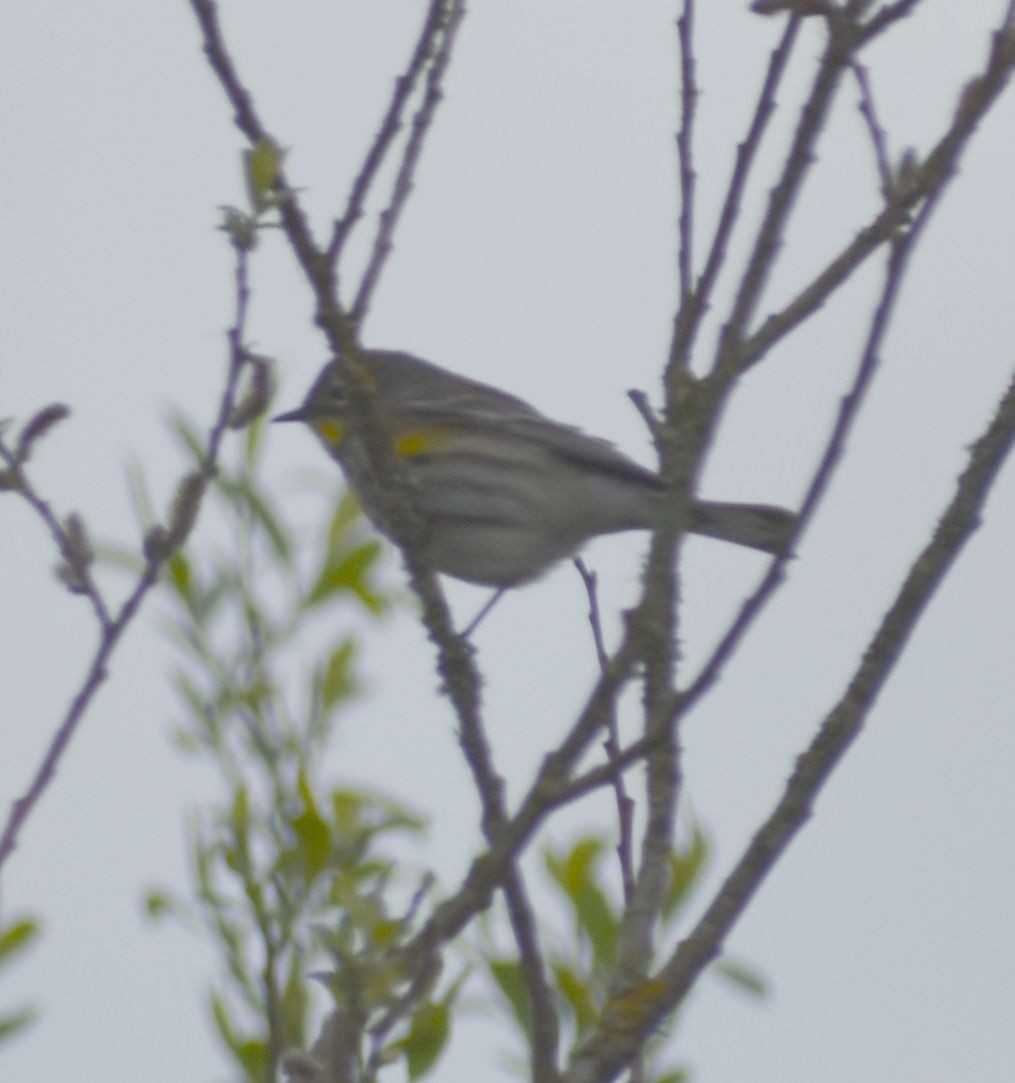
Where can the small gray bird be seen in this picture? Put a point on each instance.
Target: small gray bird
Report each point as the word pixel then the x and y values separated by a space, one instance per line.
pixel 502 491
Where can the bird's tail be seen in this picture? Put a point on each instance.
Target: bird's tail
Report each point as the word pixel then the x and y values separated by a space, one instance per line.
pixel 759 526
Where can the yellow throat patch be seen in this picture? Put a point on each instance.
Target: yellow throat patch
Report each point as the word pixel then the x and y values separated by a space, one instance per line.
pixel 329 430
pixel 408 444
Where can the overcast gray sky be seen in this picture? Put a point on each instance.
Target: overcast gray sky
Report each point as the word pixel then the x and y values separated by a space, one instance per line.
pixel 537 253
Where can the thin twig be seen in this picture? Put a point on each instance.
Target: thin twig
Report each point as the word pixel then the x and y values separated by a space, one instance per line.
pixel 389 128
pixel 685 150
pixel 81 570
pixel 761 261
pixel 875 131
pixel 829 460
pixel 488 870
pixel 611 744
pixel 689 317
pixel 922 181
pixel 881 20
pixel 640 401
pixel 155 558
pixel 454 12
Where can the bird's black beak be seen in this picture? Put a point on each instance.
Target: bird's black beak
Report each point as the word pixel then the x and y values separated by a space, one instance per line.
pixel 299 414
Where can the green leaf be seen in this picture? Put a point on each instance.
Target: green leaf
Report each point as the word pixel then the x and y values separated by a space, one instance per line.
pixel 160 904
pixel 597 919
pixel 337 682
pixel 312 832
pixel 678 1075
pixel 686 867
pixel 241 228
pixel 140 497
pixel 348 573
pixel 241 493
pixel 575 869
pixel 356 811
pixel 295 1004
pixel 188 436
pixel 11 1024
pixel 261 167
pixel 578 996
pixel 119 557
pixel 195 701
pixel 507 973
pixel 178 568
pixel 239 816
pixel 15 938
pixel 254 441
pixel 428 1034
pixel 347 513
pixel 743 976
pixel 575 875
pixel 250 1053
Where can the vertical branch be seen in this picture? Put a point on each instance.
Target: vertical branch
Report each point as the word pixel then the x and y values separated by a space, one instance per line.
pixel 611 745
pixel 690 316
pixel 685 150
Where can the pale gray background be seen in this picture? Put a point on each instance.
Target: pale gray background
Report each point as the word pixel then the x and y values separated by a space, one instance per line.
pixel 537 253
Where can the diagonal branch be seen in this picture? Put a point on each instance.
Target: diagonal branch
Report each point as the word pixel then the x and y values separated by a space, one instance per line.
pixel 629 1020
pixel 930 176
pixel 160 544
pixel 405 84
pixel 818 103
pixel 452 13
pixel 829 460
pixel 877 134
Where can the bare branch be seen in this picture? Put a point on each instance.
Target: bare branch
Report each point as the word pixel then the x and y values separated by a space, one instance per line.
pixel 690 315
pixel 111 629
pixel 922 181
pixel 875 131
pixel 685 149
pixel 838 53
pixel 390 126
pixel 830 457
pixel 453 11
pixel 76 571
pixel 881 20
pixel 628 1020
pixel 625 805
pixel 246 119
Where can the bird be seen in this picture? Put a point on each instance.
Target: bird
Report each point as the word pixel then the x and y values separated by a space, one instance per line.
pixel 501 491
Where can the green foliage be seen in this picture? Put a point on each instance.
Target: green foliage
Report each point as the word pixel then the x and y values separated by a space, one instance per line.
pixel 428 1034
pixel 742 975
pixel 580 964
pixel 14 940
pixel 293 878
pixel 261 169
pixel 578 874
pixel 507 974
